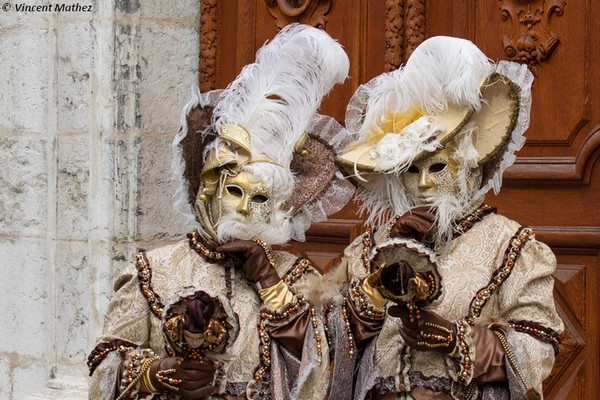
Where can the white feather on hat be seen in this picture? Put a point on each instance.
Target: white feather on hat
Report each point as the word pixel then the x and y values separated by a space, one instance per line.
pixel 275 98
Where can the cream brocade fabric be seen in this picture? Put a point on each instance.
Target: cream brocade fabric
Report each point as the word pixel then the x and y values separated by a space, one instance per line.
pixel 466 266
pixel 177 271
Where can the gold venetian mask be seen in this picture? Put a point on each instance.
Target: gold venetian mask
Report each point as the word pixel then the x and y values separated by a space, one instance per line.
pixel 427 179
pixel 240 196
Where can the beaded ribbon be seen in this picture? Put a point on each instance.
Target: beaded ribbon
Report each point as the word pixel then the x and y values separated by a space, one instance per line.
pixel 538 331
pixel 500 275
pixel 104 349
pixel 198 244
pixel 145 277
pixel 470 220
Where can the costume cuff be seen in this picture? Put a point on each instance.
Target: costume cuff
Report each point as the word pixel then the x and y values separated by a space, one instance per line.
pixel 376 298
pixel 277 296
pixel 133 369
pixel 146 385
pixel 460 361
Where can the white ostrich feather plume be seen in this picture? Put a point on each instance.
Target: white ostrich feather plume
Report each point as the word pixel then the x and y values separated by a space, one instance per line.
pixel 444 70
pixel 275 98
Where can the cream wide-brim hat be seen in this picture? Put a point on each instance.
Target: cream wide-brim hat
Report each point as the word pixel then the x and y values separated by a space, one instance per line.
pixel 496 119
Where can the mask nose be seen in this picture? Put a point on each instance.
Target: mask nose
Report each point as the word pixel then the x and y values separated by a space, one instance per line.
pixel 244 206
pixel 424 180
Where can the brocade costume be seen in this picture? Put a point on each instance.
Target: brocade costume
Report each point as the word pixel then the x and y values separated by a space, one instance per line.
pixel 144 293
pixel 515 306
pixel 221 316
pixel 448 300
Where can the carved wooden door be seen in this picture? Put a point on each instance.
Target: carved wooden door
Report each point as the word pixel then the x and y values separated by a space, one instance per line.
pixel 554 185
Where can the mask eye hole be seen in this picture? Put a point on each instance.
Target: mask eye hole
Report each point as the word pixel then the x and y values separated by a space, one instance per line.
pixel 259 198
pixel 234 190
pixel 413 169
pixel 437 167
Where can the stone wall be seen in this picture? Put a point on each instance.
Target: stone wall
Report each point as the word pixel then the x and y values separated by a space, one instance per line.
pixel 89 104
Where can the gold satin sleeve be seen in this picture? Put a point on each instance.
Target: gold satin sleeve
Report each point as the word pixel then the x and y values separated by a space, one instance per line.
pixel 276 296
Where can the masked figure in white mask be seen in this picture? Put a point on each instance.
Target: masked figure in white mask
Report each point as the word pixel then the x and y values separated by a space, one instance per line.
pixel 221 315
pixel 445 299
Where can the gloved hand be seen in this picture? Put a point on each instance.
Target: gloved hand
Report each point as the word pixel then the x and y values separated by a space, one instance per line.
pixel 257 266
pixel 392 280
pixel 416 223
pixel 190 379
pixel 424 329
pixel 198 313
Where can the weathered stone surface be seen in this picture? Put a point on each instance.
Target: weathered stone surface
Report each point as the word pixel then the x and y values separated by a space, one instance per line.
pixel 5 378
pixel 156 216
pixel 23 179
pixel 26 297
pixel 75 51
pixel 24 77
pixel 73 187
pixel 77 92
pixel 167 10
pixel 118 186
pixel 29 378
pixel 168 72
pixel 74 281
pixel 15 20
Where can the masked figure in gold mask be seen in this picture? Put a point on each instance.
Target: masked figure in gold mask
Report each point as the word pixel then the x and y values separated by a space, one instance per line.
pixel 448 299
pixel 221 315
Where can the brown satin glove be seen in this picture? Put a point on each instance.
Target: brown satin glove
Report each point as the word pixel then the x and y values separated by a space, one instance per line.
pixel 190 379
pixel 425 330
pixel 254 260
pixel 417 223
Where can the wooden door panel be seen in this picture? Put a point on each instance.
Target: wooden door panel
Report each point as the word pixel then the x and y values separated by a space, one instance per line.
pixel 555 184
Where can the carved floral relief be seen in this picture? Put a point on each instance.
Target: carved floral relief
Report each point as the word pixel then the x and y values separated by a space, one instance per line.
pixel 532 41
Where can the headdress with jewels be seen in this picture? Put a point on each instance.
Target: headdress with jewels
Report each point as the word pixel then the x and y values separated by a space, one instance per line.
pixel 448 93
pixel 266 120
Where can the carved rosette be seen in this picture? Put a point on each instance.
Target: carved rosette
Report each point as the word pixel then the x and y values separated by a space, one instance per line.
pixel 533 40
pixel 404 30
pixel 310 12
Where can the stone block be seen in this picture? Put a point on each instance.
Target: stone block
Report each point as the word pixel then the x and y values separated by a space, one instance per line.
pixel 5 378
pixel 24 70
pixel 156 216
pixel 23 178
pixel 29 379
pixel 75 59
pixel 118 188
pixel 74 285
pixel 173 9
pixel 26 294
pixel 169 71
pixel 73 187
pixel 15 18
